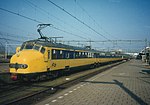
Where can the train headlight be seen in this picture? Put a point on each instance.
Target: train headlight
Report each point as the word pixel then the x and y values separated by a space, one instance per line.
pixel 23 66
pixel 18 66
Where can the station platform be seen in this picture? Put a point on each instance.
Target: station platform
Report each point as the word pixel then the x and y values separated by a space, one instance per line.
pixel 125 84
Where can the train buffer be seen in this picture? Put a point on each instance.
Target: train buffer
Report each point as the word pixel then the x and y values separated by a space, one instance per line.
pixel 125 84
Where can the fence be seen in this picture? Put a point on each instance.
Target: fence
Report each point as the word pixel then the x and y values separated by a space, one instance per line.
pixel 10 49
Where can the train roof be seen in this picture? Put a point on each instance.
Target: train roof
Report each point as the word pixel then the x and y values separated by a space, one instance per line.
pixel 47 43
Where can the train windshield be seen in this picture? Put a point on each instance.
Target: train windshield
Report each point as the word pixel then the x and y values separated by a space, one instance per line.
pixel 31 45
pixel 36 47
pixel 27 46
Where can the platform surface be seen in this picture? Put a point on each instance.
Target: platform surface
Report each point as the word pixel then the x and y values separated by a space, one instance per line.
pixel 125 84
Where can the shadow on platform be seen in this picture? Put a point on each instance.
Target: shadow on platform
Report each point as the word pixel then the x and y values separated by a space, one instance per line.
pixel 139 66
pixel 144 80
pixel 146 71
pixel 129 92
pixel 134 96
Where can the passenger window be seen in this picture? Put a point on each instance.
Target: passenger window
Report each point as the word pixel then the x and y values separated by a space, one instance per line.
pixel 42 50
pixel 61 54
pixel 54 56
pixel 86 54
pixel 76 54
pixel 90 55
pixel 68 55
pixel 79 54
pixel 71 54
pixel 58 54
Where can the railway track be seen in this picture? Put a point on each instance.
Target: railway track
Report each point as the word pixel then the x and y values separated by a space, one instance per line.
pixel 6 82
pixel 29 93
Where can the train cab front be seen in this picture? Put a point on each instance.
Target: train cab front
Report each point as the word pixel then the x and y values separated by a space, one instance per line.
pixel 28 60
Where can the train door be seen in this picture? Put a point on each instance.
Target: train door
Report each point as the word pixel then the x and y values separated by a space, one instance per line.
pixel 46 56
pixel 49 59
pixel 67 60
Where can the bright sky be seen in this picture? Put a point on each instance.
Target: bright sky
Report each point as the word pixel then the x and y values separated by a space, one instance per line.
pixel 112 19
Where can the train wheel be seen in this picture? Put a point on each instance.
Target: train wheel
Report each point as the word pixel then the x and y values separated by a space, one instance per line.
pixel 67 71
pixel 35 79
pixel 92 66
pixel 56 74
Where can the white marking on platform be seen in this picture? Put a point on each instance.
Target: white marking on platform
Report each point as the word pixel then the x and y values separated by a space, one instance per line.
pixel 46 104
pixel 74 89
pixel 81 85
pixel 115 67
pixel 54 100
pixel 70 91
pixel 60 97
pixel 121 73
pixel 97 77
pixel 66 94
pixel 67 79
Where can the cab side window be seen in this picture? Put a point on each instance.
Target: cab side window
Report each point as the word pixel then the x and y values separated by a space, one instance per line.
pixel 42 50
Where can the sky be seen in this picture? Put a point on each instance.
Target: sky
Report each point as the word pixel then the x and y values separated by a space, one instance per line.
pixel 104 19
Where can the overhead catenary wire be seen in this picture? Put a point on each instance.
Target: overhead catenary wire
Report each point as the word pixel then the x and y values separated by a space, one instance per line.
pixel 11 40
pixel 2 36
pixel 68 32
pixel 6 40
pixel 18 29
pixel 78 19
pixel 20 15
pixel 94 20
pixel 53 27
pixel 26 17
pixel 12 35
pixel 106 41
pixel 61 20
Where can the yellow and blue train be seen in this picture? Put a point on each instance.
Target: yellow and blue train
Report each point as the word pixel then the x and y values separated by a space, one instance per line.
pixel 42 57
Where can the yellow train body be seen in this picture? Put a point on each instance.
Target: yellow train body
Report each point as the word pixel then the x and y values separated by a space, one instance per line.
pixel 32 58
pixel 42 59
